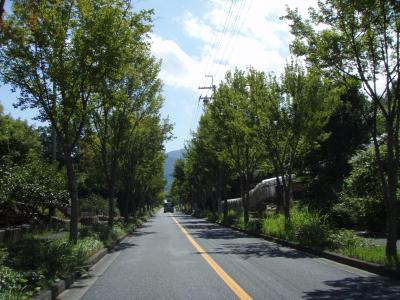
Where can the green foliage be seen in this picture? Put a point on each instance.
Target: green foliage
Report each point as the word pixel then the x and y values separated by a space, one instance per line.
pixel 94 203
pixel 306 227
pixel 52 257
pixel 347 243
pixel 359 40
pixel 361 202
pixel 86 66
pixel 33 262
pixel 327 165
pixel 344 239
pixel 33 186
pixel 17 140
pixel 106 234
pixel 254 226
pixel 12 284
pixel 374 254
pixel 230 218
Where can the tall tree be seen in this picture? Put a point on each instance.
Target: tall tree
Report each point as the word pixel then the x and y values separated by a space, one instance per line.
pixel 55 53
pixel 360 40
pixel 129 95
pixel 236 126
pixel 291 116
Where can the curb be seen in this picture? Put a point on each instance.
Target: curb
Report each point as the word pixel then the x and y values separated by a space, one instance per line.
pixel 66 281
pixel 346 260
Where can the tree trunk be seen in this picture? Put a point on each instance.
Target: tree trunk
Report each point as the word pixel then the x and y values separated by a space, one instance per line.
pixel 287 187
pixel 279 195
pixel 52 211
pixel 391 202
pixel 126 207
pixel 111 208
pixel 2 2
pixel 247 203
pixel 225 201
pixel 73 193
pixel 244 200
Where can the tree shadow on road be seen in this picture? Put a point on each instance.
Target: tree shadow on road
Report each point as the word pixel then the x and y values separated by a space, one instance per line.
pixel 141 233
pixel 242 244
pixel 123 246
pixel 358 288
pixel 213 232
pixel 260 249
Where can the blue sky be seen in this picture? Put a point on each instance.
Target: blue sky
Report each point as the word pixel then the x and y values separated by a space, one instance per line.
pixel 198 37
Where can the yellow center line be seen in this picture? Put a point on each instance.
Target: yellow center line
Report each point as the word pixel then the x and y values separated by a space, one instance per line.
pixel 221 273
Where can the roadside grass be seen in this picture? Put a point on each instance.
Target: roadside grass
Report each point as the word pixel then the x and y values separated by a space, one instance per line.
pixel 306 228
pixel 37 260
pixel 374 254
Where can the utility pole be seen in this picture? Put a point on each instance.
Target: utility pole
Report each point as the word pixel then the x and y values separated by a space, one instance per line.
pixel 206 99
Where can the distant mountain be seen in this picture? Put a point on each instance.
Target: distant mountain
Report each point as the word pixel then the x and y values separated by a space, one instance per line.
pixel 169 165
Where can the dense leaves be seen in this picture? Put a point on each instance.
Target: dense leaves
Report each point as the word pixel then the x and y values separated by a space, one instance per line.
pixel 87 68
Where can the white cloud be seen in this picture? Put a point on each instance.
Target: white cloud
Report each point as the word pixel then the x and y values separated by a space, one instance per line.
pixel 178 68
pixel 253 36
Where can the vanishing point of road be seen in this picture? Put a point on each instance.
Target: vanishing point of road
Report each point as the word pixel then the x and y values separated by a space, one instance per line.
pixel 175 256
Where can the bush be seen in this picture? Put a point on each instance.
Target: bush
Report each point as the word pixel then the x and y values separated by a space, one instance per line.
pixel 275 225
pixel 306 227
pixel 231 218
pixel 254 226
pixel 12 283
pixel 344 239
pixel 116 232
pixel 94 203
pixel 361 202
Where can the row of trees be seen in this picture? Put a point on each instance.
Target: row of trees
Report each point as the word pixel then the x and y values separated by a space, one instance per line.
pixel 257 119
pixel 257 123
pixel 86 67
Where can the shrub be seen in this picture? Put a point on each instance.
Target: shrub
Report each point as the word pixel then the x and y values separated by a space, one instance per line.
pixel 116 232
pixel 231 218
pixel 275 225
pixel 344 239
pixel 309 228
pixel 94 203
pixel 11 282
pixel 361 203
pixel 254 226
pixel 306 227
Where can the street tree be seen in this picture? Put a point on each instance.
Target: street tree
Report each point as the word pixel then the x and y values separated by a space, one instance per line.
pixel 291 114
pixel 235 123
pixel 130 93
pixel 55 53
pixel 360 40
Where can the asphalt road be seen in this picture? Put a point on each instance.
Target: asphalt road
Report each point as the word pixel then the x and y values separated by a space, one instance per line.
pixel 161 262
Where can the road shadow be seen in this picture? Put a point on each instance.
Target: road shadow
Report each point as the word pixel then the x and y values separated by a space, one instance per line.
pixel 179 216
pixel 251 250
pixel 357 288
pixel 204 230
pixel 142 233
pixel 144 226
pixel 123 246
pixel 235 243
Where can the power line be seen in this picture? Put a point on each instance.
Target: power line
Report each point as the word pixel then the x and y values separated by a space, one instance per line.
pixel 222 33
pixel 209 62
pixel 234 33
pixel 229 29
